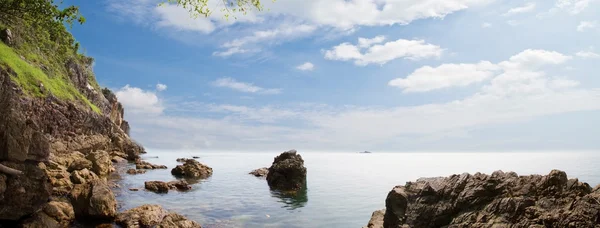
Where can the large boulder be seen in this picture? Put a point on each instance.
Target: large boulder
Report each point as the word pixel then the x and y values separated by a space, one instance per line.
pixel 262 172
pixel 101 162
pixel 501 199
pixel 192 169
pixel 153 216
pixel 23 194
pixel 53 214
pixel 77 161
pixel 287 172
pixel 82 176
pixel 94 200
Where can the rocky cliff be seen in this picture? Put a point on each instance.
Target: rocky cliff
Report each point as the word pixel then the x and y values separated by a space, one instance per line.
pixel 497 200
pixel 57 139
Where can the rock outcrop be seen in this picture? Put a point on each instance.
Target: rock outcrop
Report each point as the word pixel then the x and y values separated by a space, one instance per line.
pixel 192 169
pixel 153 216
pixel 287 173
pixel 53 214
pixel 139 164
pixel 262 172
pixel 496 200
pixel 94 200
pixel 164 187
pixel 136 171
pixel 376 220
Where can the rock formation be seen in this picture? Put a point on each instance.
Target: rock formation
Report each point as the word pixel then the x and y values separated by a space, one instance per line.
pixel 136 171
pixel 496 200
pixel 192 169
pixel 164 187
pixel 262 172
pixel 287 172
pixel 153 216
pixel 139 164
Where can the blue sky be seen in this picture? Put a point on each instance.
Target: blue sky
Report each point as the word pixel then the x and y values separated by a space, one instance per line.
pixel 333 75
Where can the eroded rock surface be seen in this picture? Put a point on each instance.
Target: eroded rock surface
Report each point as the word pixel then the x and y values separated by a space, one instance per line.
pixel 496 200
pixel 287 172
pixel 192 169
pixel 94 200
pixel 153 216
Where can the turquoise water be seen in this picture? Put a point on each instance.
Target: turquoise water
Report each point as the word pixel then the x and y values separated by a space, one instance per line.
pixel 343 188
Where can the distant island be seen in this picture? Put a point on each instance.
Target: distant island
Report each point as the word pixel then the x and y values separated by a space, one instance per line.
pixel 365 152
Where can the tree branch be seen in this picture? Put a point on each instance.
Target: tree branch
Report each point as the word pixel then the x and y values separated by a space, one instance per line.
pixel 9 171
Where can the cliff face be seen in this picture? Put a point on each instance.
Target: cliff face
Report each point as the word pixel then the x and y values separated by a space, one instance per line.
pixel 56 143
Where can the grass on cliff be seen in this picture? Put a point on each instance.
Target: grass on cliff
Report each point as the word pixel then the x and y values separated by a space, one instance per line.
pixel 30 77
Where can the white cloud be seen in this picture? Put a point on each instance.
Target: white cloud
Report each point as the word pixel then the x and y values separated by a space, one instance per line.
pixel 136 100
pixel 447 75
pixel 172 16
pixel 486 25
pixel 307 66
pixel 243 86
pixel 572 6
pixel 587 55
pixel 161 87
pixel 383 53
pixel 584 25
pixel 522 9
pixel 366 42
pixel 429 78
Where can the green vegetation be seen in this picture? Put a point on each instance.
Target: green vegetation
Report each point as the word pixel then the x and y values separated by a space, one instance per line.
pixel 230 7
pixel 41 41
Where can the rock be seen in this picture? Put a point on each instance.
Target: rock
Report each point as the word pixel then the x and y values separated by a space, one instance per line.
pixel 83 176
pixel 192 169
pixel 182 160
pixel 6 36
pixel 59 178
pixel 139 164
pixel 287 172
pixel 53 214
pixel 501 199
pixel 80 164
pixel 153 216
pixel 156 186
pixel 135 171
pixel 195 157
pixel 180 185
pixel 24 194
pixel 94 200
pixel 376 219
pixel 101 163
pixel 133 189
pixel 262 172
pixel 118 159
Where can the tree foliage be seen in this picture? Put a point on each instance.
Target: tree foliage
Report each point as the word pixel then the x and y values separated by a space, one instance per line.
pixel 230 7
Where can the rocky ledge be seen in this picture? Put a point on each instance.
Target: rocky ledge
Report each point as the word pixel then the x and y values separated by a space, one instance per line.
pixel 287 173
pixel 497 200
pixel 153 216
pixel 164 187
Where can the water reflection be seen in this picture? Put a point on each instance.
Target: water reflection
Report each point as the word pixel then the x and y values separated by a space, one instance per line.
pixel 292 199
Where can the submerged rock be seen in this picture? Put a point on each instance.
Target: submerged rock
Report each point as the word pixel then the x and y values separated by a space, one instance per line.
pixel 500 199
pixel 192 169
pixel 139 164
pixel 262 172
pixel 287 172
pixel 136 171
pixel 153 216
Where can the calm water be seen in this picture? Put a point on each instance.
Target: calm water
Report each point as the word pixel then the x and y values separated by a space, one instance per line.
pixel 343 188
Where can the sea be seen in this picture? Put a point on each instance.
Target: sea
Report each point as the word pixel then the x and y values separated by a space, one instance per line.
pixel 343 189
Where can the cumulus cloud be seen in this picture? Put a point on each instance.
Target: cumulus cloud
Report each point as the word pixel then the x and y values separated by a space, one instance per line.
pixel 585 25
pixel 161 87
pixel 522 9
pixel 243 86
pixel 307 66
pixel 136 100
pixel 375 53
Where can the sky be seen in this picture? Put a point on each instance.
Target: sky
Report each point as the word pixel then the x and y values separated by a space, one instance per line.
pixel 353 75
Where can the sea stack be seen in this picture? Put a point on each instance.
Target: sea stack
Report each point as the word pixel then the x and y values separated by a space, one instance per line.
pixel 287 173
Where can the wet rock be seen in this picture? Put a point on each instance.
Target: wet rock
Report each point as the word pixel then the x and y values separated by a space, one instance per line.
pixel 157 186
pixel 287 172
pixel 180 185
pixel 153 216
pixel 94 200
pixel 501 199
pixel 139 164
pixel 376 219
pixel 136 171
pixel 83 176
pixel 53 214
pixel 262 172
pixel 101 163
pixel 23 194
pixel 117 159
pixel 192 169
pixel 182 160
pixel 133 189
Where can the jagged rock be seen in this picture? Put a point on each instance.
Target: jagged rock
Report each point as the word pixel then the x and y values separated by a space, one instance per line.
pixel 156 186
pixel 287 172
pixel 153 216
pixel 136 171
pixel 79 164
pixel 53 214
pixel 101 163
pixel 94 200
pixel 376 219
pixel 260 172
pixel 60 178
pixel 6 36
pixel 23 194
pixel 498 200
pixel 83 176
pixel 192 169
pixel 139 164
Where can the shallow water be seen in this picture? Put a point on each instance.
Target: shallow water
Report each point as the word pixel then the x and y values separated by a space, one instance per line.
pixel 343 188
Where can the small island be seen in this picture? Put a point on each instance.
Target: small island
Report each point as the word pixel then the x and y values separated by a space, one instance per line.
pixel 365 152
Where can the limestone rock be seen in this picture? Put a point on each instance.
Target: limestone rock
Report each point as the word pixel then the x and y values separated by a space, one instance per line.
pixel 94 200
pixel 139 164
pixel 118 159
pixel 136 171
pixel 101 163
pixel 83 176
pixel 287 172
pixel 156 186
pixel 153 216
pixel 192 169
pixel 54 214
pixel 376 219
pixel 24 194
pixel 262 172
